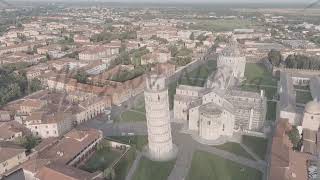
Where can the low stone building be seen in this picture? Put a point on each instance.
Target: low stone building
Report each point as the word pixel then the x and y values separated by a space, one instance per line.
pixel 10 157
pixel 45 125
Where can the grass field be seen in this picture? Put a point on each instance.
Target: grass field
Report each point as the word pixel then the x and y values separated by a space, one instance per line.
pixel 257 78
pixel 123 167
pixel 259 75
pixel 271 111
pixel 137 141
pixel 235 148
pixel 132 116
pixel 101 159
pixel 150 170
pixel 196 77
pixel 303 97
pixel 256 144
pixel 137 113
pixel 199 76
pixel 206 166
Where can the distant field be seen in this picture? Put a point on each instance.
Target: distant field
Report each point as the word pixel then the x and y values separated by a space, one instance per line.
pixel 206 166
pixel 221 25
pixel 151 170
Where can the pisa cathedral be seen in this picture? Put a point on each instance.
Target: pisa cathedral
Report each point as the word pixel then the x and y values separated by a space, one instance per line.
pixel 213 113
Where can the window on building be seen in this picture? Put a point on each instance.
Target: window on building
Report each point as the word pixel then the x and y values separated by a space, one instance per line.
pixel 311 117
pixel 223 127
pixel 209 123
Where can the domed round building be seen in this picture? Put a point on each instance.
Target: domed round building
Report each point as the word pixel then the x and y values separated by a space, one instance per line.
pixel 311 117
pixel 233 58
pixel 160 146
pixel 215 122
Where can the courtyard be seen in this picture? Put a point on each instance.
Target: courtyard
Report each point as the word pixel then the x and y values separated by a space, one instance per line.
pixel 101 159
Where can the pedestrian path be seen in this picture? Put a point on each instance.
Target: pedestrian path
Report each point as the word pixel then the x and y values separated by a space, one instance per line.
pixel 134 166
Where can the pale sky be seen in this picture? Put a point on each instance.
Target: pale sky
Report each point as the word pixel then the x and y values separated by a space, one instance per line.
pixel 197 1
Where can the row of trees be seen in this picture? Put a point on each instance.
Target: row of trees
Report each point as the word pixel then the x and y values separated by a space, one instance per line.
pixel 302 62
pixel 107 36
pixel 296 61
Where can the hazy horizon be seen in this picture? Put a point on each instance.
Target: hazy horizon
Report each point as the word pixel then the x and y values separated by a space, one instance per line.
pixel 183 1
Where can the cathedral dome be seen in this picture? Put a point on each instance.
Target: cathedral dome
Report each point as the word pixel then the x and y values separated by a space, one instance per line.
pixel 313 107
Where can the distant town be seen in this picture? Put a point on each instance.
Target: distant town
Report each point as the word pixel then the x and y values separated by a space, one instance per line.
pixel 134 91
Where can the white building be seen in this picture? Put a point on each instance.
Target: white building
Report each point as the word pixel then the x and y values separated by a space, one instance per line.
pixel 232 57
pixel 160 146
pixel 311 117
pixel 49 125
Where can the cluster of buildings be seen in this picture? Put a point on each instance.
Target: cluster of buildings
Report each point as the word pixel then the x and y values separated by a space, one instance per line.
pixel 213 113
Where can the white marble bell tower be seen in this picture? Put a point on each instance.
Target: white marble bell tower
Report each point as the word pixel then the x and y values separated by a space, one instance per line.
pixel 160 146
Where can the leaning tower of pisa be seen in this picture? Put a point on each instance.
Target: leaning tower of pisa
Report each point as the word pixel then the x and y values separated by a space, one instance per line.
pixel 160 146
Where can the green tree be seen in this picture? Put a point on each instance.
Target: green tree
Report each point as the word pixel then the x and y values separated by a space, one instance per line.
pixel 174 50
pixel 109 173
pixel 81 77
pixel 294 137
pixel 34 85
pixel 29 142
pixel 275 57
pixel 191 37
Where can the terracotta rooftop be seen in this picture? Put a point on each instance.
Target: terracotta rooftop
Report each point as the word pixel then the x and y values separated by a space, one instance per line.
pixel 9 152
pixel 55 171
pixel 70 145
pixel 285 163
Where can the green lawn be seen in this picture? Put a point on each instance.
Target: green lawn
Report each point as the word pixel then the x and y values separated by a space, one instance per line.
pixel 256 144
pixel 131 116
pixel 257 78
pixel 303 97
pixel 196 77
pixel 257 74
pixel 137 113
pixel 206 166
pixel 271 111
pixel 137 141
pixel 199 76
pixel 101 159
pixel 234 148
pixel 270 92
pixel 123 167
pixel 151 170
